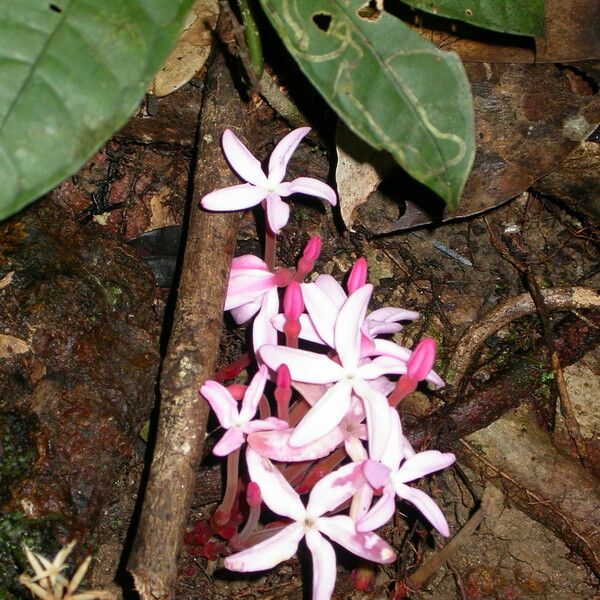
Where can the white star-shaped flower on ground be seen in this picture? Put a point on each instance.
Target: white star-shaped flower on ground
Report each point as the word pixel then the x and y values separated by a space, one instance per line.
pixel 261 188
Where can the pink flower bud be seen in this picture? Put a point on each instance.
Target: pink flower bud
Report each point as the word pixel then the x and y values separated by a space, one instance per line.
pixel 293 304
pixel 358 275
pixel 253 495
pixel 312 249
pixel 237 390
pixel 284 379
pixel 421 361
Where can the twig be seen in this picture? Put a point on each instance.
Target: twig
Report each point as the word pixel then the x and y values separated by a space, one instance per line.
pixel 565 400
pixel 416 580
pixel 571 298
pixel 192 350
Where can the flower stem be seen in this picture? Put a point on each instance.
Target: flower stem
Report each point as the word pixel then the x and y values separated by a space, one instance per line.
pixel 223 512
pixel 233 369
pixel 270 244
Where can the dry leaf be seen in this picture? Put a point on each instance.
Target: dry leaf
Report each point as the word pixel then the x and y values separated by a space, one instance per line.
pixel 10 345
pixel 528 119
pixel 572 28
pixel 191 51
pixel 359 170
pixel 6 280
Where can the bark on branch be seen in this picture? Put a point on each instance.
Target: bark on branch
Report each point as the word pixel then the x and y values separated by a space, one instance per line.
pixel 193 348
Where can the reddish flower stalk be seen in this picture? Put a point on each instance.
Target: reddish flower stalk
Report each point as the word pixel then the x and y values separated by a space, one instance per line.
pixel 254 500
pixel 320 469
pixel 222 514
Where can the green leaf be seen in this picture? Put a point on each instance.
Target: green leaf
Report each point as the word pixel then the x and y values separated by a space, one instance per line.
pixel 523 17
pixel 71 73
pixel 390 86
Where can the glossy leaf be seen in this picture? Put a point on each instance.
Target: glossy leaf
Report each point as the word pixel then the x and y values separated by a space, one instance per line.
pixel 71 73
pixel 524 17
pixel 391 87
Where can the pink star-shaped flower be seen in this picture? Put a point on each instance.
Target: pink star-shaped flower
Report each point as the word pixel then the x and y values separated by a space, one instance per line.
pixel 238 423
pixel 310 523
pixel 268 189
pixel 390 475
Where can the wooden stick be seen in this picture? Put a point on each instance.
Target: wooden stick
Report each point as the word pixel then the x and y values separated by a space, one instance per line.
pixel 193 348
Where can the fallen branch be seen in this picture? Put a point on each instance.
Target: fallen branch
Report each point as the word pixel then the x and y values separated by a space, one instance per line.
pixel 503 392
pixel 566 407
pixel 192 351
pixel 572 298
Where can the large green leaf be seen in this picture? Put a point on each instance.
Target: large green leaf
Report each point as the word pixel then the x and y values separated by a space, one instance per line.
pixel 391 87
pixel 524 17
pixel 71 73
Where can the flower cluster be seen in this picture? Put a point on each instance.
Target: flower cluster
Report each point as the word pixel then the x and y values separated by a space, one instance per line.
pixel 335 385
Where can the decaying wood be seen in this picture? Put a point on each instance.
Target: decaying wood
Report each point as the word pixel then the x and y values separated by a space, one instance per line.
pixel 551 487
pixel 192 350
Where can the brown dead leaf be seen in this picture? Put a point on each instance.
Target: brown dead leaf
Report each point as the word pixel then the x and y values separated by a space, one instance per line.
pixel 191 51
pixel 572 34
pixel 10 345
pixel 6 280
pixel 359 170
pixel 528 120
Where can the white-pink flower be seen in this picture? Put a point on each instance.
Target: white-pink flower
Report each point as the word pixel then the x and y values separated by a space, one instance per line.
pixel 268 189
pixel 252 289
pixel 238 423
pixel 350 374
pixel 390 475
pixel 310 523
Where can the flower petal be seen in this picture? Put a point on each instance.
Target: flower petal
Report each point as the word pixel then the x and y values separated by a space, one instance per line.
pixel 268 424
pixel 278 212
pixel 248 261
pixel 283 152
pixel 242 160
pixel 277 493
pixel 341 529
pixel 347 326
pixel 275 445
pixel 377 415
pixel 310 187
pixel 424 463
pixel 221 401
pixel 268 553
pixel 326 414
pixel 304 366
pixel 245 312
pixel 381 512
pixel 387 348
pixel 394 450
pixel 322 311
pixel 232 439
pixel 334 489
pixel 234 197
pixel 428 508
pixel 253 394
pixel 324 563
pixel 375 473
pixel 381 365
pixel 311 392
pixel 263 331
pixel 332 288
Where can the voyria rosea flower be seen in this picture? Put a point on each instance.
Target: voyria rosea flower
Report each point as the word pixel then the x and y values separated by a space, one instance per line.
pixel 261 188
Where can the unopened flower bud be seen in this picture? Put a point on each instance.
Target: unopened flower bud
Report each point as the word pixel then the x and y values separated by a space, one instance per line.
pixel 293 304
pixel 421 361
pixel 253 495
pixel 358 275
